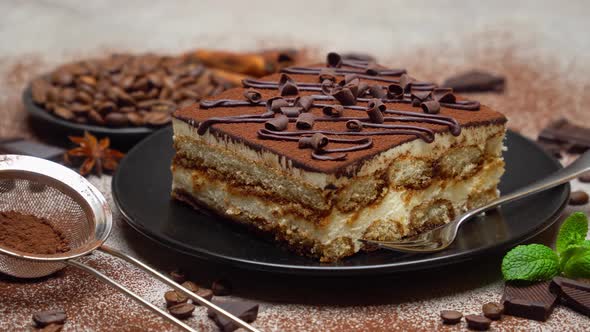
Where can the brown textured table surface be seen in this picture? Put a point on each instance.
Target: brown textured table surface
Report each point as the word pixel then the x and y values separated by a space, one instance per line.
pixel 546 66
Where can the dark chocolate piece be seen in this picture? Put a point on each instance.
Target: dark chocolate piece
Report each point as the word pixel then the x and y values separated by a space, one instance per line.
pixel 44 318
pixel 287 86
pixel 574 294
pixel 377 91
pixel 279 122
pixel 30 148
pixel 333 110
pixel 578 197
pixel 394 91
pixel 405 81
pixel 478 322
pixel 444 95
pixel 475 81
pixel 492 310
pixel 274 104
pixel 529 300
pixel 451 317
pixel 375 111
pixel 253 96
pixel 372 69
pixel 221 287
pixel 305 121
pixel 305 102
pixel 245 310
pixel 566 133
pixel 334 60
pixel 327 74
pixel 430 107
pixel 291 111
pixel 343 95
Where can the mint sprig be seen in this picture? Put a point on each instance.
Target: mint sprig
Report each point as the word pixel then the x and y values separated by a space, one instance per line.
pixel 537 262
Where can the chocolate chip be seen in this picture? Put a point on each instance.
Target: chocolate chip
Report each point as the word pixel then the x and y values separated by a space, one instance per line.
pixel 52 328
pixel 252 96
pixel 492 310
pixel 578 198
pixel 278 123
pixel 327 74
pixel 245 310
pixel 430 107
pixel 475 81
pixel 334 60
pixel 173 298
pixel 377 91
pixel 182 310
pixel 305 102
pixel 585 178
pixel 44 318
pixel 305 121
pixel 178 276
pixel 205 293
pixel 451 316
pixel 395 91
pixel 333 110
pixel 221 287
pixel 478 322
pixel 343 95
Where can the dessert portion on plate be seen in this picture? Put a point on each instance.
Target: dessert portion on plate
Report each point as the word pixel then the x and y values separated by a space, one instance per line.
pixel 322 156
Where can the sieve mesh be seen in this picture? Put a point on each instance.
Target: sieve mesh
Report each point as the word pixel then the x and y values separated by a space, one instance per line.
pixel 66 204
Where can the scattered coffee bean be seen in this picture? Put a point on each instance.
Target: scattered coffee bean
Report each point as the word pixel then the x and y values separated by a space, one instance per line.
pixel 221 287
pixel 478 322
pixel 578 198
pixel 451 316
pixel 207 294
pixel 52 328
pixel 182 310
pixel 173 298
pixel 493 310
pixel 585 178
pixel 44 318
pixel 178 275
pixel 190 286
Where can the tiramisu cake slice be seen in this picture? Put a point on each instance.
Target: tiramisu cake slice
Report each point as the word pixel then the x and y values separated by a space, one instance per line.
pixel 325 155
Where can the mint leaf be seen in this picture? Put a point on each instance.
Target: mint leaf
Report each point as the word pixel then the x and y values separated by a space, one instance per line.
pixel 578 266
pixel 572 251
pixel 533 262
pixel 572 231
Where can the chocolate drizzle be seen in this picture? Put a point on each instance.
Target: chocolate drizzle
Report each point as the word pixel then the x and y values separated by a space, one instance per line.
pixel 376 120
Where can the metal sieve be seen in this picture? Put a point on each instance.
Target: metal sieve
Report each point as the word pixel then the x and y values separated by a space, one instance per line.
pixel 46 189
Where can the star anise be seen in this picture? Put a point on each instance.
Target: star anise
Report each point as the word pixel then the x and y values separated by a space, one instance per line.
pixel 96 154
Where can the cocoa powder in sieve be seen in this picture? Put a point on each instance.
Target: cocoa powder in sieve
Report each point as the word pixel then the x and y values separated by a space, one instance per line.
pixel 30 234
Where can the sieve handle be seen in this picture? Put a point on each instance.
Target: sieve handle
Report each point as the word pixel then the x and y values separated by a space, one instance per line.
pixel 129 293
pixel 173 284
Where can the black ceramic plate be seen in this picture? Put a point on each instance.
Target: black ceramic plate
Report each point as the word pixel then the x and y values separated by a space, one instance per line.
pixel 125 136
pixel 141 189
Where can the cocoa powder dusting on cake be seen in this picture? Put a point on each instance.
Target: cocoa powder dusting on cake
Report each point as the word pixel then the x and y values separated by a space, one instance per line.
pixel 30 234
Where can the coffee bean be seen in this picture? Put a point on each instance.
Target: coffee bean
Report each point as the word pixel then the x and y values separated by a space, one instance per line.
pixel 182 310
pixel 585 178
pixel 64 113
pixel 173 298
pixel 157 118
pixel 178 275
pixel 136 119
pixel 127 109
pixel 478 322
pixel 493 310
pixel 126 82
pixel 84 97
pixel 88 80
pixel 221 287
pixel 81 119
pixel 578 198
pixel 96 118
pixel 116 119
pixel 106 107
pixel 44 318
pixel 207 294
pixel 79 108
pixel 67 95
pixel 62 78
pixel 451 316
pixel 52 328
pixel 190 286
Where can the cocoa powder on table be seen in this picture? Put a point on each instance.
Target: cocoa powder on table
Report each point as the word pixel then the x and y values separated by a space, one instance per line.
pixel 30 234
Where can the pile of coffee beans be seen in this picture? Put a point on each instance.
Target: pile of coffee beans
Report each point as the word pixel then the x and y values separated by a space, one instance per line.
pixel 125 90
pixel 491 311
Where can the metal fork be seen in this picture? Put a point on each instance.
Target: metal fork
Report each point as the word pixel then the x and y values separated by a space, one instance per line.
pixel 441 237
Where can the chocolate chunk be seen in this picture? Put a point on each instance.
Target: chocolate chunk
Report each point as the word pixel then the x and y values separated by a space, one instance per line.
pixel 205 293
pixel 333 110
pixel 316 141
pixel 327 74
pixel 574 294
pixel 327 86
pixel 363 87
pixel 578 197
pixel 52 328
pixel 182 310
pixel 394 91
pixel 375 110
pixel 305 102
pixel 178 275
pixel 430 107
pixel 552 148
pixel 444 95
pixel 354 125
pixel 350 78
pixel 274 104
pixel 451 316
pixel 221 287
pixel 287 86
pixel 565 133
pixel 305 121
pixel 475 81
pixel 372 69
pixel 405 81
pixel 44 318
pixel 278 123
pixel 529 300
pixel 173 298
pixel 191 286
pixel 585 178
pixel 343 95
pixel 419 96
pixel 493 310
pixel 377 91
pixel 252 96
pixel 478 322
pixel 245 310
pixel 334 60
pixel 291 111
